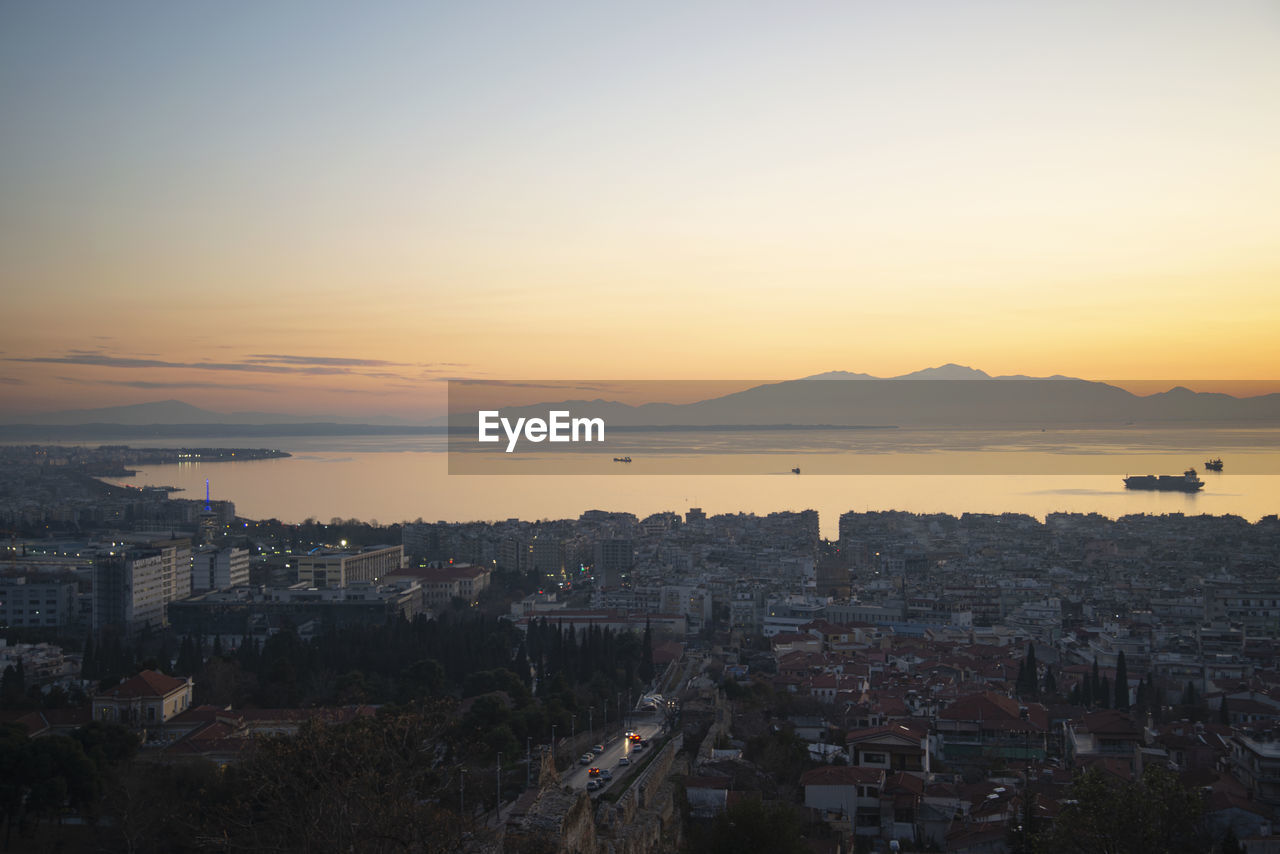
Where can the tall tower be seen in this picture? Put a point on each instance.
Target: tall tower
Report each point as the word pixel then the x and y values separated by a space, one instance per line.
pixel 208 519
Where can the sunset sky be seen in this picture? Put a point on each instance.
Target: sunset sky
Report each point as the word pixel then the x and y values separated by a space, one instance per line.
pixel 329 207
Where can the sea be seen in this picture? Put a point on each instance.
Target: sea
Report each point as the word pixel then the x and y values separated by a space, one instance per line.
pixel 389 479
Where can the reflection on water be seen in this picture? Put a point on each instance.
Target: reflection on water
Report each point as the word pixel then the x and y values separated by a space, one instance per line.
pixel 391 479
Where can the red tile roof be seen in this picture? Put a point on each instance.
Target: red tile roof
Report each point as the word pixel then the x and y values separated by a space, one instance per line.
pixel 148 683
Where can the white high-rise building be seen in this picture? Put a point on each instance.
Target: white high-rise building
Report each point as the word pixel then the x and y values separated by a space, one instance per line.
pixel 218 568
pixel 132 587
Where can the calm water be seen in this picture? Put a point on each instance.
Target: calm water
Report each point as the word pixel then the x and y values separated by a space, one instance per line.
pixel 392 479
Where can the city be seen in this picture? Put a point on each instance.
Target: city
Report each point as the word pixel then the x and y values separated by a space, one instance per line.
pixel 925 360
pixel 931 681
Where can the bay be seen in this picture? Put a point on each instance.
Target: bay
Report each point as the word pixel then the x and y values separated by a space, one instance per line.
pixel 404 478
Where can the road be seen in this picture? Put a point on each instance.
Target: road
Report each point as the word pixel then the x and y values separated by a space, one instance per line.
pixel 647 724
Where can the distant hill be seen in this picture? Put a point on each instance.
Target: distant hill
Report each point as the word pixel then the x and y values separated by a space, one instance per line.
pixel 946 396
pixel 173 412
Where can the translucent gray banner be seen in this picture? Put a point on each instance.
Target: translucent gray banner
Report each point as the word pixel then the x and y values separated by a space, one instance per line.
pixel 844 425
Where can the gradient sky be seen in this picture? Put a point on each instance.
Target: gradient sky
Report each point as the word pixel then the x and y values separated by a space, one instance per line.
pixel 326 207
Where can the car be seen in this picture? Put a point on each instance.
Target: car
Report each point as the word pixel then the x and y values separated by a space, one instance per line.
pixel 606 774
pixel 624 761
pixel 592 785
pixel 593 772
pixel 639 745
pixel 598 748
pixel 585 759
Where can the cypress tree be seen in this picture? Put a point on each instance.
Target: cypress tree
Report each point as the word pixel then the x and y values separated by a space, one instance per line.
pixel 646 655
pixel 1122 683
pixel 88 663
pixel 1104 693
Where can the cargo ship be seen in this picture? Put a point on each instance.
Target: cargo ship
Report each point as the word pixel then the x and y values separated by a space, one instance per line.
pixel 1189 482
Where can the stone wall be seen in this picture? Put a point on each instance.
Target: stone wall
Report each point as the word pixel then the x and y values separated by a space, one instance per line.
pixel 558 822
pixel 645 819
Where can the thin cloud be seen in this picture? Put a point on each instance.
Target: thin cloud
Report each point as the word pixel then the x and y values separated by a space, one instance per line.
pixel 329 361
pixel 12 381
pixel 148 384
pixel 103 361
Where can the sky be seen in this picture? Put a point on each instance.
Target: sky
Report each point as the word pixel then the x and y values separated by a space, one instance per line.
pixel 318 207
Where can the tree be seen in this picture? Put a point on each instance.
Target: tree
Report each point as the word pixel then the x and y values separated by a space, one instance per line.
pixel 367 785
pixel 1122 684
pixel 107 743
pixel 13 686
pixel 1023 832
pixel 1102 815
pixel 754 826
pixel 1224 713
pixel 646 672
pixel 1029 673
pixel 1141 705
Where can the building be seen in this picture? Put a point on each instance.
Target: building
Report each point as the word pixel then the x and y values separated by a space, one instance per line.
pixel 442 584
pixel 41 662
pixel 614 560
pixel 242 611
pixel 29 601
pixel 339 569
pixel 1255 762
pixel 146 700
pixel 1106 734
pixel 132 588
pixel 1256 609
pixel 546 558
pixel 988 727
pixel 673 625
pixel 218 568
pixel 846 794
pixel 893 747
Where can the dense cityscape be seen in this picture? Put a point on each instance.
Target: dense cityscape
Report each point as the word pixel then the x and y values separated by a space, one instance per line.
pixel 685 681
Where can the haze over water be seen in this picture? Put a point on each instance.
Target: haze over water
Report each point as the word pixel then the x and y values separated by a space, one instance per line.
pixel 393 479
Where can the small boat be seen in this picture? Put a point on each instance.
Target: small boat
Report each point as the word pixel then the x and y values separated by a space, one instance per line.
pixel 622 459
pixel 795 471
pixel 1213 465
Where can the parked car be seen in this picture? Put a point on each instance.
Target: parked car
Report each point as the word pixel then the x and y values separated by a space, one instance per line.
pixel 585 759
pixel 598 748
